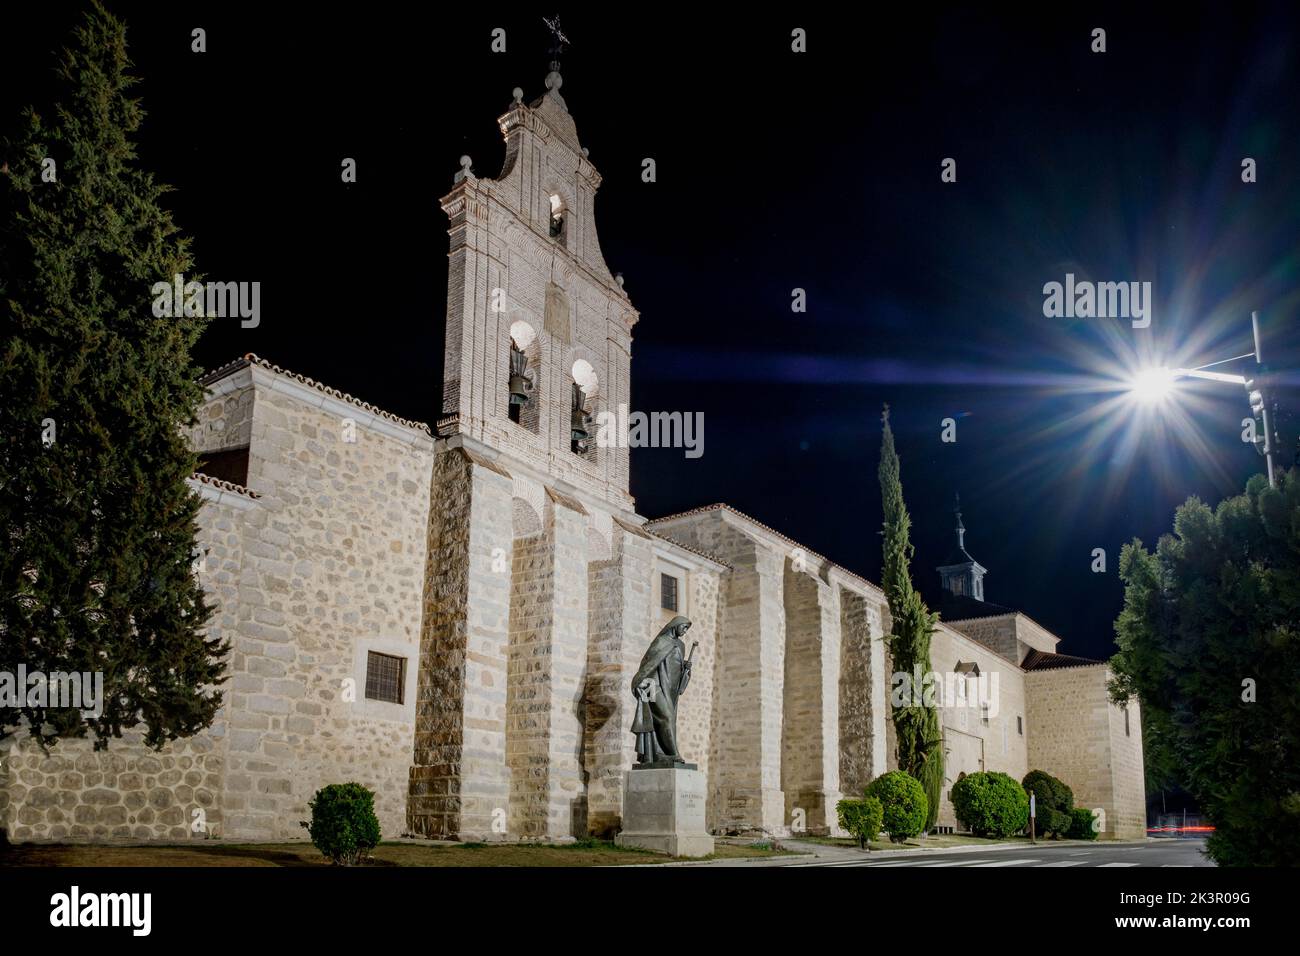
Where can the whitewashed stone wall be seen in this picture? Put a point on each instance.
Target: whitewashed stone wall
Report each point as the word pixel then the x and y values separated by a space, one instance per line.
pixel 970 744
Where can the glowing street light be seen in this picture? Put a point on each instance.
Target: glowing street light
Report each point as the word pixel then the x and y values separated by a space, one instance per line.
pixel 1154 385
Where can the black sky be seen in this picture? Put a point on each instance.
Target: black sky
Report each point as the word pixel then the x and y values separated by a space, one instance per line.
pixel 776 171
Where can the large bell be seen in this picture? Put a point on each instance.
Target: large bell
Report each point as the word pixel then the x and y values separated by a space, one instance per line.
pixel 579 420
pixel 520 384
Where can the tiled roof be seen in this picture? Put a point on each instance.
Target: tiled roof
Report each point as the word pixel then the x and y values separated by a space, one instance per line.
pixel 686 547
pixel 251 359
pixel 1037 660
pixel 223 485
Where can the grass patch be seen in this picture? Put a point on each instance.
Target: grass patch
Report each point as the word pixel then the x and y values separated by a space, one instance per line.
pixel 586 852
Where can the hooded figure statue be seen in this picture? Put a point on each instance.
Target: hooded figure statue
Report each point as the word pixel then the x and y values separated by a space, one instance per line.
pixel 664 673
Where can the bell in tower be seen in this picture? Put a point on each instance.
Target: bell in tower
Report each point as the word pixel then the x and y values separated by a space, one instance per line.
pixel 520 383
pixel 580 421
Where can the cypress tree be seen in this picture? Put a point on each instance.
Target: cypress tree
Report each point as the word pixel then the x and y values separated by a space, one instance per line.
pixel 920 743
pixel 97 564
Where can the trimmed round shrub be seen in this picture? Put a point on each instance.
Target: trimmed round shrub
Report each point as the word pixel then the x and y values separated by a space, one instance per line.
pixel 861 818
pixel 1081 826
pixel 990 804
pixel 1054 804
pixel 343 823
pixel 903 799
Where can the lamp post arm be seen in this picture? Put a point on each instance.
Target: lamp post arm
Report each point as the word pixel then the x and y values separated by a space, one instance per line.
pixel 1211 376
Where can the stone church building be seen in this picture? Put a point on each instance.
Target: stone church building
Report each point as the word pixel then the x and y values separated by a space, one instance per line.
pixel 451 615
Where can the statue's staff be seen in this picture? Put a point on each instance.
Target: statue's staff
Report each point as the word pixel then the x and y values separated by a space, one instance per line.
pixel 686 668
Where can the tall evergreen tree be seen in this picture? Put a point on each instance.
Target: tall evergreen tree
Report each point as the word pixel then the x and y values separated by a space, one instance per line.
pixel 1209 643
pixel 98 524
pixel 916 726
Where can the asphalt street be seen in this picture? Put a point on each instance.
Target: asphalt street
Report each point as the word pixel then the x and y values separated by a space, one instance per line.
pixel 1152 853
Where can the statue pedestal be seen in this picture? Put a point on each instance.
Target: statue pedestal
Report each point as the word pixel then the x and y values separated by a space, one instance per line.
pixel 663 810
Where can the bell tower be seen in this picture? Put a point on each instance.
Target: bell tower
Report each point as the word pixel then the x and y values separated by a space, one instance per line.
pixel 539 332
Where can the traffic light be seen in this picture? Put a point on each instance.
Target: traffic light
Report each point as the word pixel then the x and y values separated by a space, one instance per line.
pixel 1263 409
pixel 1255 394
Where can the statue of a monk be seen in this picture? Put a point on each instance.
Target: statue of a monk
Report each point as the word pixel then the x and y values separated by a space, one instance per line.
pixel 664 673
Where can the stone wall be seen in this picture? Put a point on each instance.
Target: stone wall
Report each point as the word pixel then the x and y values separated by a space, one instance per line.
pixel 459 787
pixel 1077 734
pixel 618 608
pixel 696 710
pixel 996 633
pixel 126 793
pixel 810 755
pixel 333 568
pixel 546 677
pixel 746 746
pixel 1128 819
pixel 1010 635
pixel 863 713
pixel 226 419
pixel 855 702
pixel 130 791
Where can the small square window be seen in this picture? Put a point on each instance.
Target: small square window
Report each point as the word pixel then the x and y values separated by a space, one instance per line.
pixel 385 677
pixel 667 592
pixel 984 714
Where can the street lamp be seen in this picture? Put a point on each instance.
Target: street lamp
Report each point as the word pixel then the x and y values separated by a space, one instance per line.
pixel 1153 385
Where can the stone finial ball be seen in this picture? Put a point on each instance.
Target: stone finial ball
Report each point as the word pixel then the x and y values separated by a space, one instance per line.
pixel 466 162
pixel 517 93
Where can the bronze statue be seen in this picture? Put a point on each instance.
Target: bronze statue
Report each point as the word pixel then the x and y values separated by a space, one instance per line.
pixel 660 680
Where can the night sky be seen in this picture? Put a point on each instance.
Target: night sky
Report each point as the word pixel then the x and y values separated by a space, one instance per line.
pixel 777 171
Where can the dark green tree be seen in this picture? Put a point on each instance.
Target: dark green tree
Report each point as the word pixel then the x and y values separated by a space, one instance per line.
pixel 916 726
pixel 1209 644
pixel 1055 803
pixel 98 524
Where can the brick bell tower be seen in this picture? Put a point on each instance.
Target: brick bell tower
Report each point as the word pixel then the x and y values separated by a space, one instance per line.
pixel 539 331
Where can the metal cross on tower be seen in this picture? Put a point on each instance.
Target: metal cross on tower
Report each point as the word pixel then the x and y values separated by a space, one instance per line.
pixel 559 42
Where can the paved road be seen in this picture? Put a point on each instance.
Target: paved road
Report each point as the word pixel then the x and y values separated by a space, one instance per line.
pixel 1155 853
